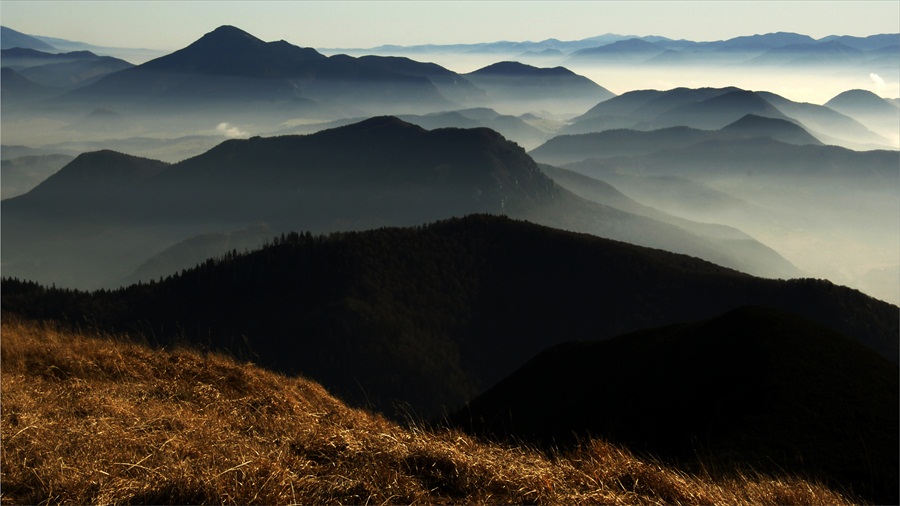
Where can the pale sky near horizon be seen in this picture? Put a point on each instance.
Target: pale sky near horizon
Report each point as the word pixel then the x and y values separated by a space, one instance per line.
pixel 169 25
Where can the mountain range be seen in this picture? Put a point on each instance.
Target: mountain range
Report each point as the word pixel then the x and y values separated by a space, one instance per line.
pixel 235 72
pixel 781 49
pixel 715 108
pixel 106 213
pixel 628 142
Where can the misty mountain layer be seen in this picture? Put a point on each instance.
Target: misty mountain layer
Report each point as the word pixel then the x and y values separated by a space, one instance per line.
pixel 100 217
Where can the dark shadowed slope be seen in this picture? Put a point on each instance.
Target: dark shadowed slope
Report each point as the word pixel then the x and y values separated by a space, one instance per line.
pixel 431 316
pixel 754 387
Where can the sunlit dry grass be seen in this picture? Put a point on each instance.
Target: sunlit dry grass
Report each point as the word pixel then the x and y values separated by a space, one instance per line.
pixel 97 420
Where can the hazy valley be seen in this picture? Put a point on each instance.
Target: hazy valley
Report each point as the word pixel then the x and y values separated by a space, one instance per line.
pixel 489 239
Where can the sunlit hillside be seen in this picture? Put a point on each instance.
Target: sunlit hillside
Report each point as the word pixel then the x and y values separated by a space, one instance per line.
pixel 92 419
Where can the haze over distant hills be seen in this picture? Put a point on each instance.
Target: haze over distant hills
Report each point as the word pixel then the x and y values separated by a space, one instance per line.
pixel 714 108
pixel 229 75
pixel 641 49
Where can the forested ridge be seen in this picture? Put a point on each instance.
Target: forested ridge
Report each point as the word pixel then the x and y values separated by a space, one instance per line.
pixel 426 317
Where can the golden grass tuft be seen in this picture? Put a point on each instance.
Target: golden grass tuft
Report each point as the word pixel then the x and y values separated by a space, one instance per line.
pixel 92 419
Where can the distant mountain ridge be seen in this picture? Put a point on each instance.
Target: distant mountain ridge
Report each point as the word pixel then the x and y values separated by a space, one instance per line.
pixel 626 142
pixel 781 48
pixel 61 70
pixel 714 108
pixel 10 38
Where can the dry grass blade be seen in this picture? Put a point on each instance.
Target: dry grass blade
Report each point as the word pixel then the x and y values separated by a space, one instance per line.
pixel 97 420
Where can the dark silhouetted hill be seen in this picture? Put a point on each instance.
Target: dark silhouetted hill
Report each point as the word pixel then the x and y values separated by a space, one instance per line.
pixel 753 388
pixel 428 317
pixel 92 178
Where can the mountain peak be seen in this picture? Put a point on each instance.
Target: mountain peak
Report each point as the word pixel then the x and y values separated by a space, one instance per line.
pixel 229 32
pixel 230 50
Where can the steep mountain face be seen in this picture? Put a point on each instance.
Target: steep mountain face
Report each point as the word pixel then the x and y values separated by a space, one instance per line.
pixel 378 172
pixel 430 316
pixel 753 387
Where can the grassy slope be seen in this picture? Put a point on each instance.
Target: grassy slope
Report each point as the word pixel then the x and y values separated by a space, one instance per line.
pixel 90 420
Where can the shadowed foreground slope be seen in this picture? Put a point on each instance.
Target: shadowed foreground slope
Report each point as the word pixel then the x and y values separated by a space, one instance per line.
pixel 753 387
pixel 91 420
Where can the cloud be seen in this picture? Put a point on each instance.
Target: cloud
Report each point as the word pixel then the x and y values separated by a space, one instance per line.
pixel 230 131
pixel 878 81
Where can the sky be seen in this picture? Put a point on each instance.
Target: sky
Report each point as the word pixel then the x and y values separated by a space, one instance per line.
pixel 169 25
